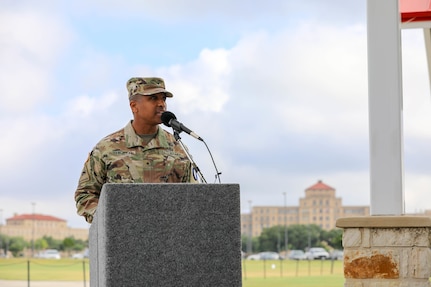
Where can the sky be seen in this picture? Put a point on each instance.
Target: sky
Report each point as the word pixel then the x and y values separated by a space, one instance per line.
pixel 277 89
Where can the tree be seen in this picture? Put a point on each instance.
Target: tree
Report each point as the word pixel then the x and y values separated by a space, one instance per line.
pixel 244 240
pixel 334 238
pixel 79 245
pixel 41 244
pixel 68 244
pixel 299 237
pixel 17 245
pixel 304 236
pixel 53 243
pixel 4 244
pixel 269 239
pixel 314 236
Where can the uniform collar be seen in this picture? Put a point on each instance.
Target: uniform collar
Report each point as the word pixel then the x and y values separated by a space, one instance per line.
pixel 133 140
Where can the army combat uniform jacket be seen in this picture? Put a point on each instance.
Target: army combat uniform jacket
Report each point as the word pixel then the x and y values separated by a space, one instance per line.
pixel 122 157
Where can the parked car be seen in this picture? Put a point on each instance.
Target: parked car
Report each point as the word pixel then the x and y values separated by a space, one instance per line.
pixel 49 254
pixel 337 255
pixel 297 255
pixel 253 256
pixel 317 253
pixel 267 255
pixel 78 256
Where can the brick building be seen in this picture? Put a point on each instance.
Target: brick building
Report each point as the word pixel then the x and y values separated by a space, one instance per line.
pixel 320 206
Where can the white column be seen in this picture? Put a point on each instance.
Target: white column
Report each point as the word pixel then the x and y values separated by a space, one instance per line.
pixel 385 107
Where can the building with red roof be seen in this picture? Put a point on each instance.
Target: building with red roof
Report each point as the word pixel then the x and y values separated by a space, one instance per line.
pixel 35 226
pixel 320 206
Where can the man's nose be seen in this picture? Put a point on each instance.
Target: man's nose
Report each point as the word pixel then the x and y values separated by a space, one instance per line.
pixel 161 102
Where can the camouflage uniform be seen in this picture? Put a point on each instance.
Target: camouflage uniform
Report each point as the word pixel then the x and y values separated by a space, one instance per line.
pixel 123 157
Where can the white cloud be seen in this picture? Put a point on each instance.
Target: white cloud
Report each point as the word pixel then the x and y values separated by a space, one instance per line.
pixel 89 107
pixel 23 137
pixel 201 84
pixel 30 44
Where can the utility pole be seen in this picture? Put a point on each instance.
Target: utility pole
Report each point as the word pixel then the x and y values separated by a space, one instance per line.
pixel 33 229
pixel 249 241
pixel 286 238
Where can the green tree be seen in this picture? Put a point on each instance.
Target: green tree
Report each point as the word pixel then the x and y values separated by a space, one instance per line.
pixel 53 243
pixel 269 239
pixel 304 236
pixel 314 238
pixel 68 244
pixel 255 244
pixel 4 244
pixel 334 238
pixel 17 245
pixel 41 244
pixel 299 237
pixel 80 245
pixel 244 242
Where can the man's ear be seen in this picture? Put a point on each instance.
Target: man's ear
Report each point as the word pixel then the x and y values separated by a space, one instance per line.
pixel 132 105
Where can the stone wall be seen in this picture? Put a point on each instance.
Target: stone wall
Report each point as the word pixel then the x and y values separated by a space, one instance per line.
pixel 386 251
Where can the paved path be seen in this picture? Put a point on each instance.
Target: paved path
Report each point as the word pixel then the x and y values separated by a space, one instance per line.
pixel 10 283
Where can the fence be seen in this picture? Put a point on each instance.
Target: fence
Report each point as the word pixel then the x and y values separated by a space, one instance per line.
pixel 281 268
pixel 77 270
pixel 45 270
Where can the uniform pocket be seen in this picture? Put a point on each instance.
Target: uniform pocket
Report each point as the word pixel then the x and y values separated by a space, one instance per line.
pixel 118 172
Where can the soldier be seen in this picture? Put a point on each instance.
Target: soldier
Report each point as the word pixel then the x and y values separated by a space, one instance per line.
pixel 140 152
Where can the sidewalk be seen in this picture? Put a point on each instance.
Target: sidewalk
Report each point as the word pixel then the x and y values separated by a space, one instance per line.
pixel 11 283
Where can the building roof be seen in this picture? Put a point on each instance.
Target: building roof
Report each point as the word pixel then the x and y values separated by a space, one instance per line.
pixel 320 186
pixel 415 10
pixel 40 217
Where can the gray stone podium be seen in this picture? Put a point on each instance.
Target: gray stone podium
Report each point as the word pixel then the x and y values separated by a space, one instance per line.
pixel 166 235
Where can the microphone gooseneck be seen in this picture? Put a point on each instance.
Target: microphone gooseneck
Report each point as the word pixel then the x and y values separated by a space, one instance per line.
pixel 170 120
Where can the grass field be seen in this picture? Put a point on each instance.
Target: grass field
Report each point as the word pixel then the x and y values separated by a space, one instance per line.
pixel 292 273
pixel 44 269
pixel 305 281
pixel 272 273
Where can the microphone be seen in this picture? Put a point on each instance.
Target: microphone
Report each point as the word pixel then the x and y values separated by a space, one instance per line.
pixel 170 120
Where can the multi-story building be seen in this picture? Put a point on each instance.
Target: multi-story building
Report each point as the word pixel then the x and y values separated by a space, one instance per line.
pixel 35 226
pixel 320 206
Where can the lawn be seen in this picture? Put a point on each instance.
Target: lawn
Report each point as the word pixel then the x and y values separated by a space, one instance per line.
pixel 291 268
pixel 44 269
pixel 304 281
pixel 292 273
pixel 258 273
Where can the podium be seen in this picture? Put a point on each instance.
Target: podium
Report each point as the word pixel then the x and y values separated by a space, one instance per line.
pixel 166 235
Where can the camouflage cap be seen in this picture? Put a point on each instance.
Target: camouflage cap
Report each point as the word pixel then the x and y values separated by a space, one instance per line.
pixel 146 87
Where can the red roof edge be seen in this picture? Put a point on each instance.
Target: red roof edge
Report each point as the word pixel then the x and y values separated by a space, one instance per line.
pixel 415 10
pixel 35 217
pixel 320 186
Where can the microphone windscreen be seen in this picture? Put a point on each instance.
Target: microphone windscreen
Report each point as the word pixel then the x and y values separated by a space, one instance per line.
pixel 167 117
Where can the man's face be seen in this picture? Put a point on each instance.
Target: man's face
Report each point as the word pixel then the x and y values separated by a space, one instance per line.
pixel 149 108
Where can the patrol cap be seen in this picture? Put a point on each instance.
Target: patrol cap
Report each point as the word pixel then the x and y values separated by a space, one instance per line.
pixel 146 87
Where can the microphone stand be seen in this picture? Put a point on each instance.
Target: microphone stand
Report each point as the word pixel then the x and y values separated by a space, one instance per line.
pixel 178 138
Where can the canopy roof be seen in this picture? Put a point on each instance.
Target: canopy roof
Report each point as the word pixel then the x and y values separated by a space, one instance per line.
pixel 416 11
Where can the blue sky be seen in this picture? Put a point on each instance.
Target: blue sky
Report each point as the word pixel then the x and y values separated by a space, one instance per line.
pixel 278 90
